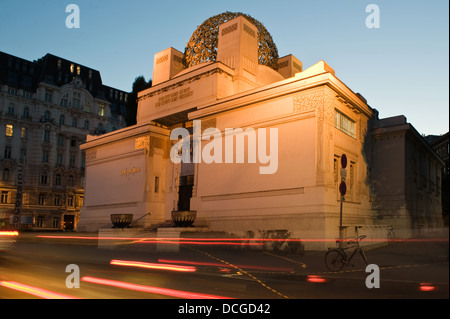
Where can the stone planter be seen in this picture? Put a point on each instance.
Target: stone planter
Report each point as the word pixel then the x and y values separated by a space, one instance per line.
pixel 184 218
pixel 121 220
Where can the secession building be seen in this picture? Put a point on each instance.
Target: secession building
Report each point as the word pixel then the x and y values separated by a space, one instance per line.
pixel 262 142
pixel 47 107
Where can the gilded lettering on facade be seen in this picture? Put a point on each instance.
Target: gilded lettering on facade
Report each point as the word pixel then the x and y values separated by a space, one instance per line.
pixel 130 171
pixel 173 97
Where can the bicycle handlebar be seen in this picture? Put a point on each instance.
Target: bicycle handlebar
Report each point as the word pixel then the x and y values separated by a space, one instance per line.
pixel 357 239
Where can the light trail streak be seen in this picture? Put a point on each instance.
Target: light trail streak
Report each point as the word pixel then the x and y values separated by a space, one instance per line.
pixel 316 279
pixel 146 265
pixel 242 240
pixel 9 233
pixel 426 287
pixel 35 291
pixel 188 262
pixel 150 289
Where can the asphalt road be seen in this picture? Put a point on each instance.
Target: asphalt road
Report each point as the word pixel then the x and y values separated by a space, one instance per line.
pixel 413 270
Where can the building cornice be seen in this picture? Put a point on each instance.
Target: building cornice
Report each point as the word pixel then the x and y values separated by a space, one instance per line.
pixel 185 78
pixel 289 86
pixel 122 134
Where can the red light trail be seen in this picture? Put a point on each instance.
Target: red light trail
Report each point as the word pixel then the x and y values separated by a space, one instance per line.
pixel 150 289
pixel 146 265
pixel 188 262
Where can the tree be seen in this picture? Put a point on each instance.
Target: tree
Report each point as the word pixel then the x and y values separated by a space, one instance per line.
pixel 139 85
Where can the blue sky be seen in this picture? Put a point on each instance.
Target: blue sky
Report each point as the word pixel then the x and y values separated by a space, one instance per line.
pixel 400 68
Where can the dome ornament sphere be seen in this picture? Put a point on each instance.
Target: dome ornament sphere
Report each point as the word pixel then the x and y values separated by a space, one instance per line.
pixel 202 46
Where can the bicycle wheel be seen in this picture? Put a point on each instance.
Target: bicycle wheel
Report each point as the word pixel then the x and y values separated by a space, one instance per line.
pixel 334 260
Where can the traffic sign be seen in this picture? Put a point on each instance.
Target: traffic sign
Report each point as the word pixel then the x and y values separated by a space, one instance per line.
pixel 344 161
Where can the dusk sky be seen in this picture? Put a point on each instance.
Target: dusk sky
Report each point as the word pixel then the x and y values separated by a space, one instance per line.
pixel 402 67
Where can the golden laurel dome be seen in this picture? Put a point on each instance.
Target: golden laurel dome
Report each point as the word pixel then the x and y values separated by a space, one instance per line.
pixel 202 47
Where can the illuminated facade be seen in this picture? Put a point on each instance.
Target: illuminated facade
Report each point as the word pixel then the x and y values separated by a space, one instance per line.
pixel 47 107
pixel 301 122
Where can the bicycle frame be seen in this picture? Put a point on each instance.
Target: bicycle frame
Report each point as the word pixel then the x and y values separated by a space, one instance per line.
pixel 357 250
pixel 345 259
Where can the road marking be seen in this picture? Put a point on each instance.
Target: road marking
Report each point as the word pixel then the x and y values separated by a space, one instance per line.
pixel 241 271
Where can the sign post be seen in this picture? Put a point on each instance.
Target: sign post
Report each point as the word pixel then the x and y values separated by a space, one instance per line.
pixel 343 191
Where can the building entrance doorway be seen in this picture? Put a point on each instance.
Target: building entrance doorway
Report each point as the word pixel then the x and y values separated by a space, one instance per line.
pixel 185 192
pixel 69 222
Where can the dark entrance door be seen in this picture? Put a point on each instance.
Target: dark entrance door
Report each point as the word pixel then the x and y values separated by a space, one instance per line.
pixel 185 192
pixel 69 222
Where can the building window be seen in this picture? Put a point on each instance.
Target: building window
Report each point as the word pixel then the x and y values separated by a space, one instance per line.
pixel 59 159
pixel 86 125
pixel 23 133
pixel 44 178
pixel 62 118
pixel 57 200
pixel 58 179
pixel 7 152
pixel 47 136
pixel 60 139
pixel 72 161
pixel 23 154
pixel 10 109
pixel 71 182
pixel 345 124
pixel 41 199
pixel 73 141
pixel 6 175
pixel 74 122
pixel 76 100
pixel 4 198
pixel 101 109
pixel 72 68
pixel 336 170
pixel 39 220
pixel 156 184
pixel 48 96
pixel 64 100
pixel 78 70
pixel 70 200
pixel 55 222
pixel 26 113
pixel 59 64
pixel 9 130
pixel 47 116
pixel 44 156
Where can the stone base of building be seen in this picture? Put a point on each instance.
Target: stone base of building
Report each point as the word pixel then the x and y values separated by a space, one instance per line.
pixel 110 238
pixel 169 237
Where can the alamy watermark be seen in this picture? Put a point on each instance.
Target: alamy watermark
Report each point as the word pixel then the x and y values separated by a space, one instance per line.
pixel 373 19
pixel 373 280
pixel 73 280
pixel 73 19
pixel 222 149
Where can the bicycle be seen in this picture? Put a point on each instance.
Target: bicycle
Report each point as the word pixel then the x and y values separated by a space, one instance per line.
pixel 390 235
pixel 337 258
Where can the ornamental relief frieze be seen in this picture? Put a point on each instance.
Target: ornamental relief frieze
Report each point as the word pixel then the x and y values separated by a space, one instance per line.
pixel 321 102
pixel 91 155
pixel 142 143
